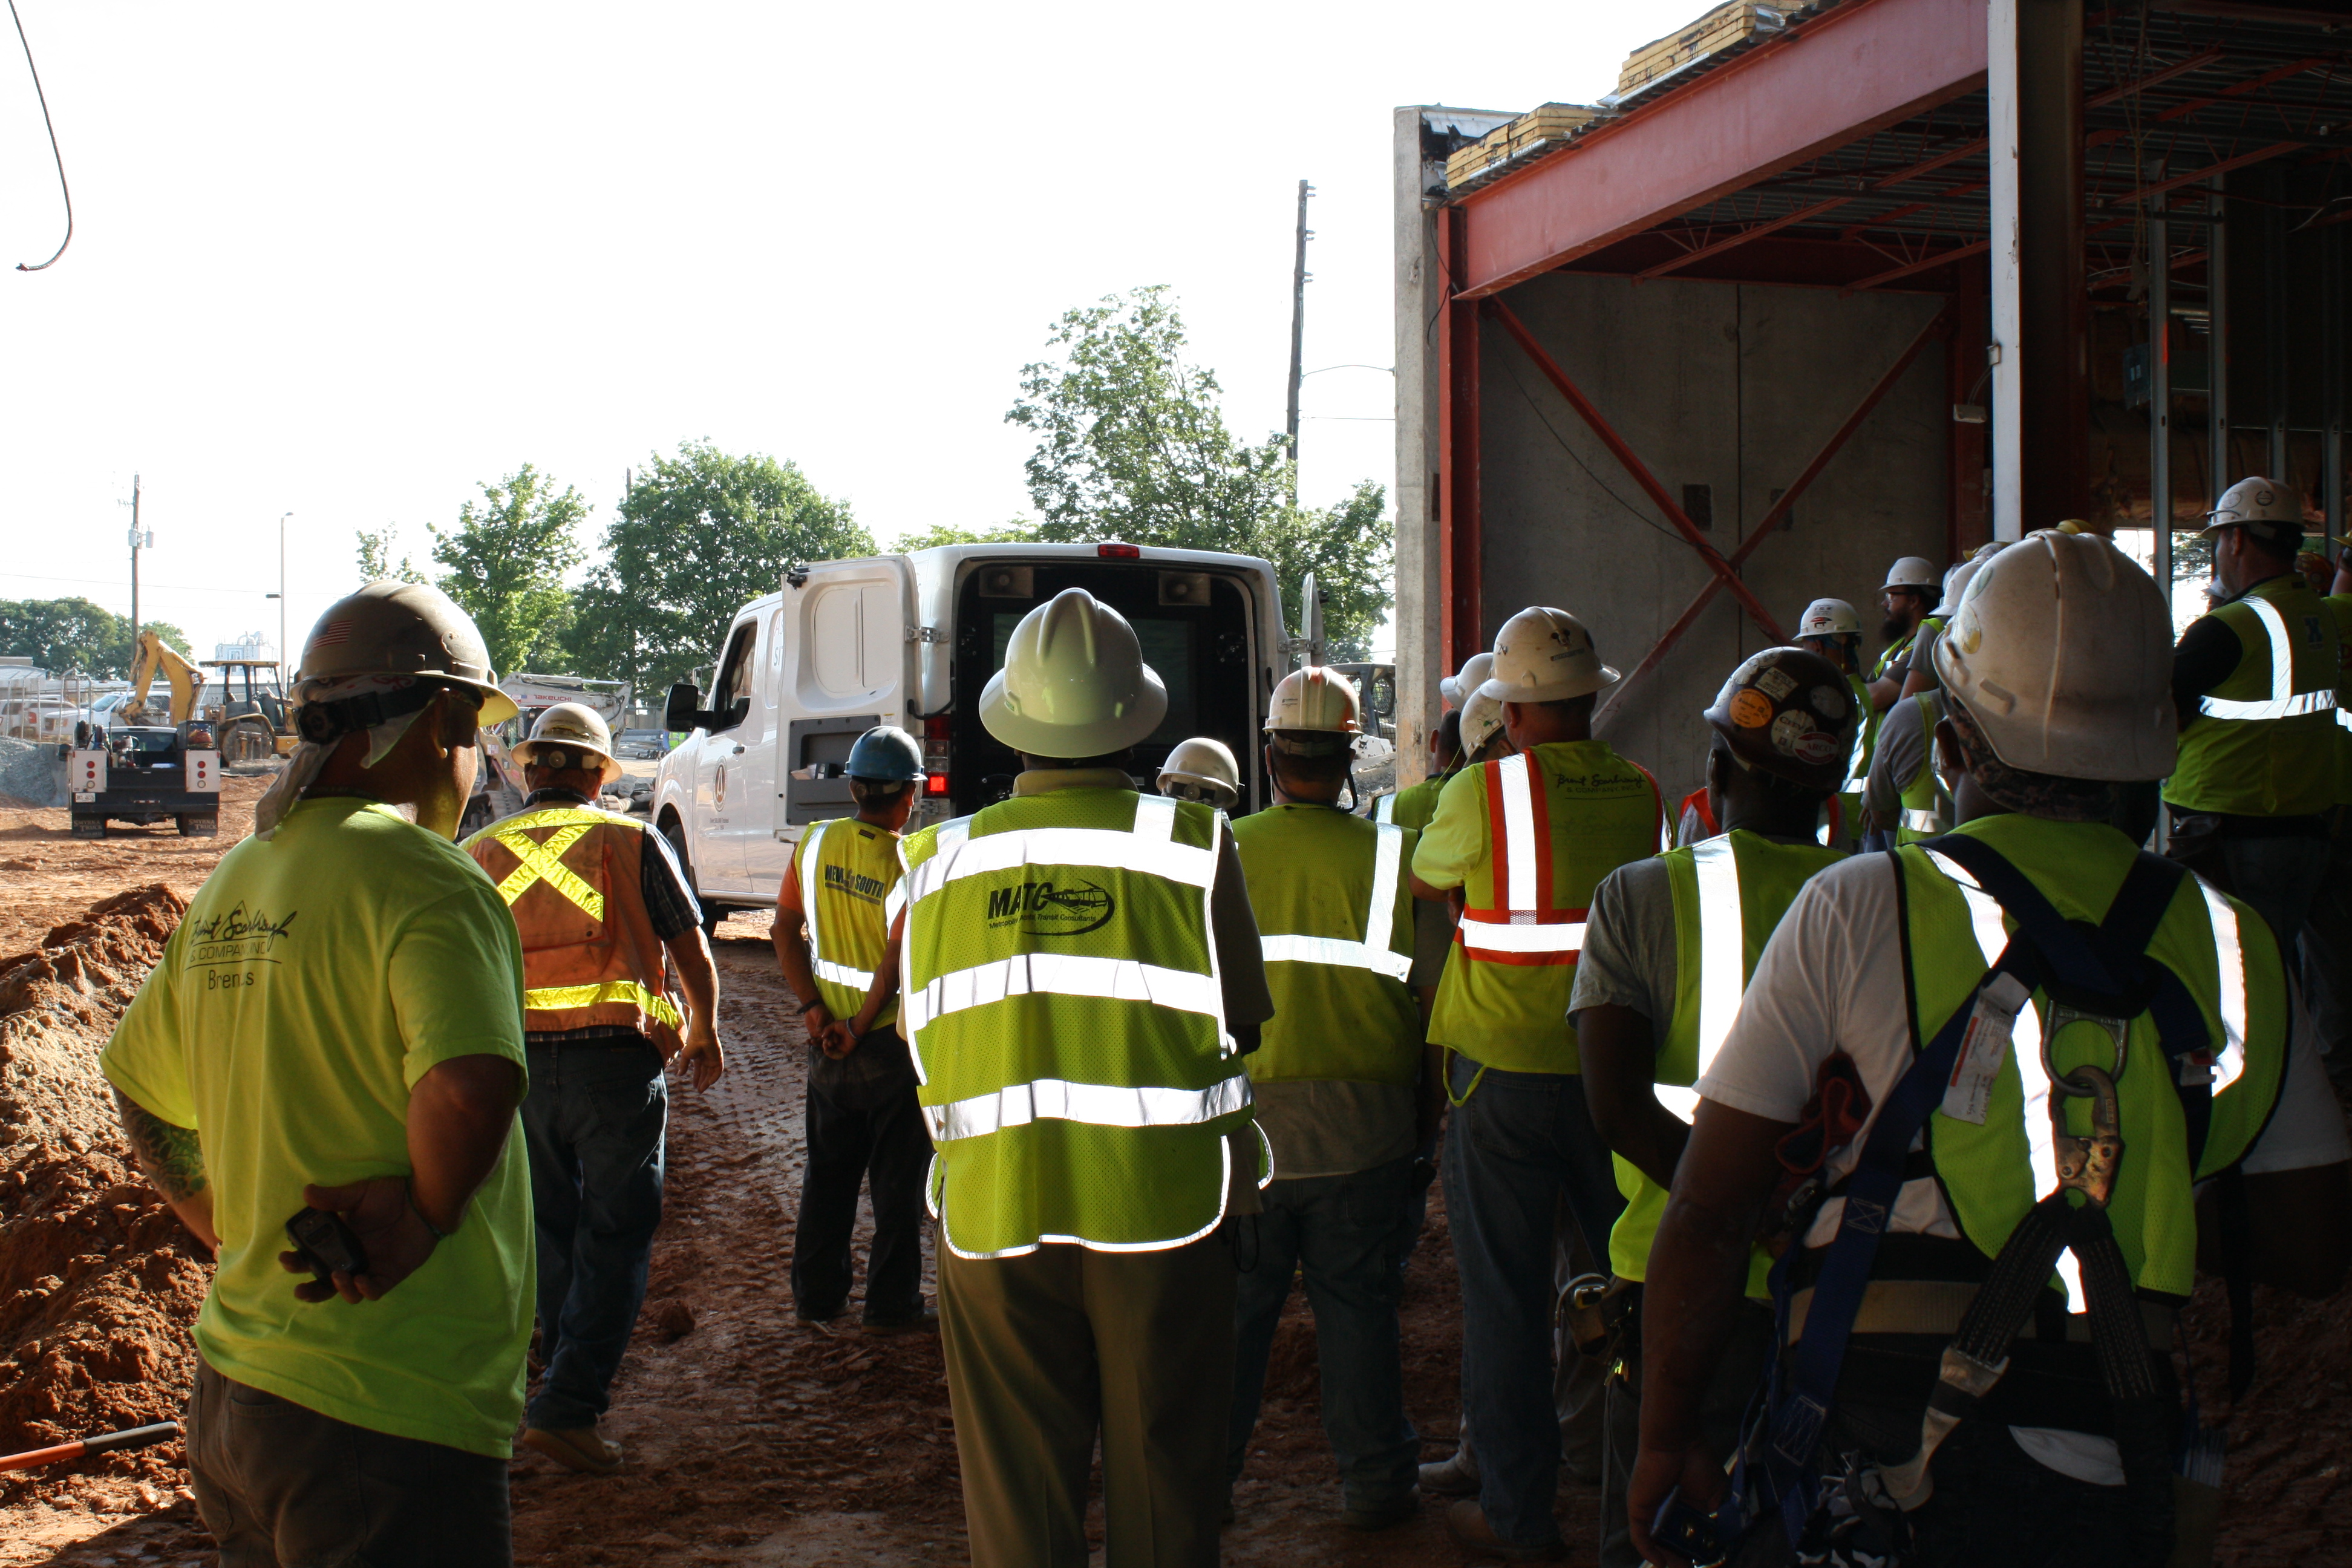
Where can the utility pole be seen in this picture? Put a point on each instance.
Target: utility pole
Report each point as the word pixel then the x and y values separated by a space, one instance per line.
pixel 1298 329
pixel 138 541
pixel 283 662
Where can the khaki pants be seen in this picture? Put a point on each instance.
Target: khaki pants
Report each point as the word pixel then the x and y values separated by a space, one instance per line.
pixel 1046 1350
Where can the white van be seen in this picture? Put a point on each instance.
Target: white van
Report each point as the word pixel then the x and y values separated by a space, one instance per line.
pixel 910 640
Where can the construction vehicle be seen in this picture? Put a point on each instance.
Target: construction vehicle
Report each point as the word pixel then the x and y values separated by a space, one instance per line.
pixel 842 645
pixel 146 774
pixel 187 682
pixel 256 723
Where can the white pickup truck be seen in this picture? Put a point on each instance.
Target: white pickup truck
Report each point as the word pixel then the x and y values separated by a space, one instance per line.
pixel 909 640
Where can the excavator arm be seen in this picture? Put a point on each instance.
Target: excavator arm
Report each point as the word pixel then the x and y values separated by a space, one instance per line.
pixel 187 682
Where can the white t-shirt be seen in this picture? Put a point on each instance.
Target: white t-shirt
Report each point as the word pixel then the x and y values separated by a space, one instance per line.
pixel 1831 981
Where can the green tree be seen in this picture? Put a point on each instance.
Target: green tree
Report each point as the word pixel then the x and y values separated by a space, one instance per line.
pixel 505 563
pixel 68 635
pixel 699 535
pixel 1016 532
pixel 375 557
pixel 1132 445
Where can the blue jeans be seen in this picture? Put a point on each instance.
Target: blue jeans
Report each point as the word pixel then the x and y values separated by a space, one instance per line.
pixel 1343 1233
pixel 1518 1144
pixel 593 1122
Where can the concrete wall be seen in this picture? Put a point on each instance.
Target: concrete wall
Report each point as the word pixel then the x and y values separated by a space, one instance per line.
pixel 1730 385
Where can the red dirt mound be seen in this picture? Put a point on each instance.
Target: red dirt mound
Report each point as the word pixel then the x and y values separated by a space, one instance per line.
pixel 98 1281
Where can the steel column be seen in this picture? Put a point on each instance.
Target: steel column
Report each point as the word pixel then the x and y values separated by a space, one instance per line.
pixel 2331 379
pixel 1636 469
pixel 1770 524
pixel 2217 339
pixel 2040 317
pixel 2159 387
pixel 2274 322
pixel 1459 548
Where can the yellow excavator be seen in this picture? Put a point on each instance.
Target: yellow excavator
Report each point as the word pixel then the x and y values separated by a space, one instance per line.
pixel 253 724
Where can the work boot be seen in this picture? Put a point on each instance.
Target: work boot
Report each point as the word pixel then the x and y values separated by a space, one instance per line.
pixel 924 1321
pixel 1383 1515
pixel 1466 1522
pixel 575 1449
pixel 1457 1474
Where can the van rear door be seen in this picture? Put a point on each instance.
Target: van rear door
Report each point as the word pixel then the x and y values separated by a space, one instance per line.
pixel 845 662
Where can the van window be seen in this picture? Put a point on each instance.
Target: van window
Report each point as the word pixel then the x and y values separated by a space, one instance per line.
pixel 735 676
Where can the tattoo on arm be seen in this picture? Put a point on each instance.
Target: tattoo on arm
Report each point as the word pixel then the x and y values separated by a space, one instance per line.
pixel 171 1156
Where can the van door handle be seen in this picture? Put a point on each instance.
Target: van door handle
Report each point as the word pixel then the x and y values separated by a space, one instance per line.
pixel 738 751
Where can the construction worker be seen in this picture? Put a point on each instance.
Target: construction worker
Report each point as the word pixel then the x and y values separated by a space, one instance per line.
pixel 1908 596
pixel 863 1124
pixel 1667 949
pixel 1082 981
pixel 336 1026
pixel 599 900
pixel 1523 840
pixel 1203 770
pixel 1922 674
pixel 1345 1088
pixel 1902 1093
pixel 1484 738
pixel 1457 688
pixel 2253 684
pixel 1414 805
pixel 1830 629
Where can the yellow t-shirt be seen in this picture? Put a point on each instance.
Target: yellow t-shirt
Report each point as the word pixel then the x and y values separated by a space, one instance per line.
pixel 316 978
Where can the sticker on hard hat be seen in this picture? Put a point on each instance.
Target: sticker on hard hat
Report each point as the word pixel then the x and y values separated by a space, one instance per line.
pixel 1045 909
pixel 1775 684
pixel 1814 748
pixel 1789 727
pixel 1829 702
pixel 1750 710
pixel 1968 632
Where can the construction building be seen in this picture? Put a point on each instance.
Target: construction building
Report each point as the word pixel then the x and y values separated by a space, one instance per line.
pixel 1828 284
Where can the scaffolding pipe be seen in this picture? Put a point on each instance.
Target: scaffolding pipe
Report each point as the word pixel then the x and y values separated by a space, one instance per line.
pixel 2159 386
pixel 2217 338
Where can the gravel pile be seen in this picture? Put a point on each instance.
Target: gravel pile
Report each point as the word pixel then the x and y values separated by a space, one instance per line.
pixel 29 772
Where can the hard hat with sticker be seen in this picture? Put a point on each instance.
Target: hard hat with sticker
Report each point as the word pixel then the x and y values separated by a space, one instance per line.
pixel 1790 712
pixel 1751 710
pixel 1775 684
pixel 1788 727
pixel 1814 747
pixel 1830 702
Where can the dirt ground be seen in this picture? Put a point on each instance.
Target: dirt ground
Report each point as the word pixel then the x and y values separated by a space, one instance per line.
pixel 751 1439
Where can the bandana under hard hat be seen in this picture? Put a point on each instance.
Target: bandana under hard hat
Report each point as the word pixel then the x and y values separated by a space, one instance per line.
pixel 309 756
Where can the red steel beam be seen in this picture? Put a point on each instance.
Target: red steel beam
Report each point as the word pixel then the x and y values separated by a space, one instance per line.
pixel 1939 327
pixel 1459 542
pixel 2252 84
pixel 1755 231
pixel 1635 466
pixel 1853 70
pixel 1976 248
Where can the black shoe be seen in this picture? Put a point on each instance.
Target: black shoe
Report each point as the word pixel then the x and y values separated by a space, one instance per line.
pixel 820 1316
pixel 1382 1516
pixel 924 1321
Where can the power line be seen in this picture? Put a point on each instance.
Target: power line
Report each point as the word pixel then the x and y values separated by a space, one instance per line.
pixel 1535 408
pixel 176 587
pixel 54 152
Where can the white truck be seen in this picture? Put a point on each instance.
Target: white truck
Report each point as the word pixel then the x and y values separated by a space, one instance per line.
pixel 909 640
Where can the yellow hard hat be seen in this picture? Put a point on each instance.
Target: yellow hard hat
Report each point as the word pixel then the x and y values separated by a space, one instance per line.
pixel 570 735
pixel 1074 683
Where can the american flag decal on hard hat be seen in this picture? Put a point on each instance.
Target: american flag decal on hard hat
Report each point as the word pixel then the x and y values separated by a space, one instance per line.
pixel 330 634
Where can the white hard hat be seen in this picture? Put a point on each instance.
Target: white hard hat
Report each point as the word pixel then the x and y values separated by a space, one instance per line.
pixel 1074 683
pixel 570 735
pixel 1829 618
pixel 1911 571
pixel 1316 698
pixel 1956 581
pixel 2061 650
pixel 1543 654
pixel 1202 769
pixel 1456 688
pixel 1482 719
pixel 2269 508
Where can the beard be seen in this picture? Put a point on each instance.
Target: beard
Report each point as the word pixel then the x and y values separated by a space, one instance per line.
pixel 1893 630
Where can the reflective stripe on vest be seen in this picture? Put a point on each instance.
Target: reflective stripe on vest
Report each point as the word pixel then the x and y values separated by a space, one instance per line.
pixel 1064 975
pixel 1096 1104
pixel 1146 849
pixel 825 968
pixel 1384 810
pixel 1866 731
pixel 1379 922
pixel 544 862
pixel 2284 702
pixel 1723 940
pixel 1521 924
pixel 1927 822
pixel 562 998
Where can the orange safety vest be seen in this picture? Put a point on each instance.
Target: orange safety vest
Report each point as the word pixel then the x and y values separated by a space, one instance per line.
pixel 572 877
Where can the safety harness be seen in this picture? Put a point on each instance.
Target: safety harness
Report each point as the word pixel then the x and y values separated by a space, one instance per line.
pixel 2100 975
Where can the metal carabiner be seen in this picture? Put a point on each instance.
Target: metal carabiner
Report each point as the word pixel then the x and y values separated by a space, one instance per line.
pixel 2087 1161
pixel 2061 1015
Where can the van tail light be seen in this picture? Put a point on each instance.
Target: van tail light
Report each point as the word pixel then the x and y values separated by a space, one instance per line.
pixel 1120 552
pixel 937 754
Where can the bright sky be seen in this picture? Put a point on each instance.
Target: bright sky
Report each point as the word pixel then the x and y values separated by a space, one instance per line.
pixel 348 262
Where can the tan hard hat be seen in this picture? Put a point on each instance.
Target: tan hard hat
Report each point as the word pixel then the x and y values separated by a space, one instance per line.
pixel 1543 654
pixel 1456 688
pixel 571 727
pixel 1074 683
pixel 402 628
pixel 1790 712
pixel 1911 571
pixel 1482 721
pixel 1829 618
pixel 1202 769
pixel 1317 698
pixel 2061 649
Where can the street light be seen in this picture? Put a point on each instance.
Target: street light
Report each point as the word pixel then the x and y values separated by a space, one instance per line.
pixel 280 597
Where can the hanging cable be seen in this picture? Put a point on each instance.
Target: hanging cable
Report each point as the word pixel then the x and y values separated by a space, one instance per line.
pixel 54 151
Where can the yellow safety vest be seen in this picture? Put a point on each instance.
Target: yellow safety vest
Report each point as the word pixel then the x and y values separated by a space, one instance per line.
pixel 849 875
pixel 2264 741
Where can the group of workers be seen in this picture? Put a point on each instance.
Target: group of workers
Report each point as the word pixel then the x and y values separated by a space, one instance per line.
pixel 1828 1154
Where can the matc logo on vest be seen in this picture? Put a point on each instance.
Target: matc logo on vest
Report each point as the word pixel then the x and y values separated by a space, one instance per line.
pixel 1048 909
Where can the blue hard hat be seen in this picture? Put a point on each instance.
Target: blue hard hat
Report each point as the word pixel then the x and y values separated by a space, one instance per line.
pixel 887 755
